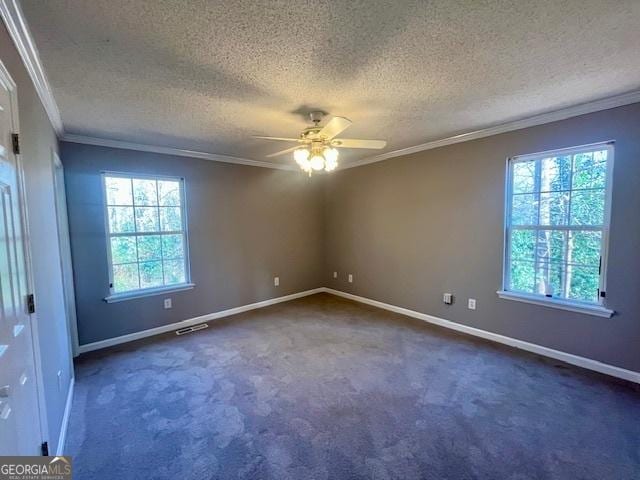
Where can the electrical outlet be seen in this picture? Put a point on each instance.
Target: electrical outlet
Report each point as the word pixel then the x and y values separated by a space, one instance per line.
pixel 167 303
pixel 447 298
pixel 471 304
pixel 335 274
pixel 276 281
pixel 350 278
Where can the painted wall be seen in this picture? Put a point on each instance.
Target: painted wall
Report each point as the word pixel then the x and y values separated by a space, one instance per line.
pixel 413 227
pixel 38 142
pixel 245 226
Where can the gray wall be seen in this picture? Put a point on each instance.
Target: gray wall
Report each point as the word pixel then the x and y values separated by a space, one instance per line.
pixel 38 141
pixel 411 228
pixel 246 225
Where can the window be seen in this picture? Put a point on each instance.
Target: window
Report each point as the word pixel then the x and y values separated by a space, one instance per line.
pixel 146 234
pixel 557 224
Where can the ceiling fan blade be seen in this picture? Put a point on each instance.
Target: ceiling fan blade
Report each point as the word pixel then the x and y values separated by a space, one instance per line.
pixel 355 143
pixel 334 127
pixel 282 139
pixel 282 152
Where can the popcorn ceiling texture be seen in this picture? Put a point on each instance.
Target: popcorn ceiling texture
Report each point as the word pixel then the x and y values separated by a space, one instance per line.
pixel 206 75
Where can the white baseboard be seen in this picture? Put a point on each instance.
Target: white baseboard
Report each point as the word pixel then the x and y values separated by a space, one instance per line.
pixel 65 419
pixel 192 321
pixel 583 362
pixel 529 347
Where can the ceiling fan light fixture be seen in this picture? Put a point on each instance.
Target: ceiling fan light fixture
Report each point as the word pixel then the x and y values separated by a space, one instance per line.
pixel 330 155
pixel 317 161
pixel 301 156
pixel 316 148
pixel 330 165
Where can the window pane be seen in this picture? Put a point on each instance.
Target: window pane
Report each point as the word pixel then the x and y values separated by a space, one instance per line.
pixel 121 219
pixel 590 169
pixel 150 274
pixel 174 271
pixel 551 245
pixel 172 246
pixel 523 244
pixel 584 248
pixel 524 177
pixel 522 276
pixel 169 193
pixel 144 192
pixel 587 207
pixel 550 279
pixel 555 173
pixel 554 208
pixel 123 250
pixel 554 198
pixel 139 211
pixel 583 283
pixel 118 191
pixel 149 247
pixel 170 219
pixel 524 209
pixel 125 277
pixel 147 219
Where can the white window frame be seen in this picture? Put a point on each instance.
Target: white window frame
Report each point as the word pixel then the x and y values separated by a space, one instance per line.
pixel 145 292
pixel 592 308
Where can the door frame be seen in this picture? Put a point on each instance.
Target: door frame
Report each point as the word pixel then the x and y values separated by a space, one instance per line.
pixel 7 81
pixel 64 244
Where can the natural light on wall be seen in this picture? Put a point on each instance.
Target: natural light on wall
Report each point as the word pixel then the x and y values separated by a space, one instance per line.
pixel 557 223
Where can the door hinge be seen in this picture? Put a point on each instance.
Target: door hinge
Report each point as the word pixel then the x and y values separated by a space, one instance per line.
pixel 15 141
pixel 45 449
pixel 31 303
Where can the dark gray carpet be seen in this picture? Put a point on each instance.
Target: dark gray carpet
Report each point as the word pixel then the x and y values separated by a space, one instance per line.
pixel 324 388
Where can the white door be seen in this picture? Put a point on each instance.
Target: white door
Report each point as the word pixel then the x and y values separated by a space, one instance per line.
pixel 20 431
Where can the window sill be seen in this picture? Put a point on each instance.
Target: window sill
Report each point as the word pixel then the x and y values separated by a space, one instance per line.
pixel 148 292
pixel 597 310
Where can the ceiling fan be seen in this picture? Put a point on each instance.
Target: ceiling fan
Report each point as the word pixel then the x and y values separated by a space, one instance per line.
pixel 317 146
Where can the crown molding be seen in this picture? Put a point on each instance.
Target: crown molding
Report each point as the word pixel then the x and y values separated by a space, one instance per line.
pixel 104 142
pixel 554 116
pixel 19 31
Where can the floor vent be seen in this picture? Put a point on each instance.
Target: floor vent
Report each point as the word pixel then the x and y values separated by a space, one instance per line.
pixel 195 328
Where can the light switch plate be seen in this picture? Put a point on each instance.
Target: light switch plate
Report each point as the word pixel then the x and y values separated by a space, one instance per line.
pixel 472 304
pixel 276 281
pixel 335 274
pixel 350 278
pixel 167 303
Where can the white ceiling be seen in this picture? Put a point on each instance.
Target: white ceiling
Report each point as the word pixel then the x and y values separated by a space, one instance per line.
pixel 206 75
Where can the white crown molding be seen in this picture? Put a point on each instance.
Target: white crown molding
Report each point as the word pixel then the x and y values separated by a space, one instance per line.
pixel 19 31
pixel 554 116
pixel 103 142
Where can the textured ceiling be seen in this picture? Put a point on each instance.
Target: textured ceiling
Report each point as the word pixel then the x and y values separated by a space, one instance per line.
pixel 206 75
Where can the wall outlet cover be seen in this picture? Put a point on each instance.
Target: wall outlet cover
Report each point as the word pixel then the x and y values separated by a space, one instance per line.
pixel 167 303
pixel 335 274
pixel 276 281
pixel 472 304
pixel 350 278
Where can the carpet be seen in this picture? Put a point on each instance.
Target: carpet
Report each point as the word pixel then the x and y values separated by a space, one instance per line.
pixel 325 388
